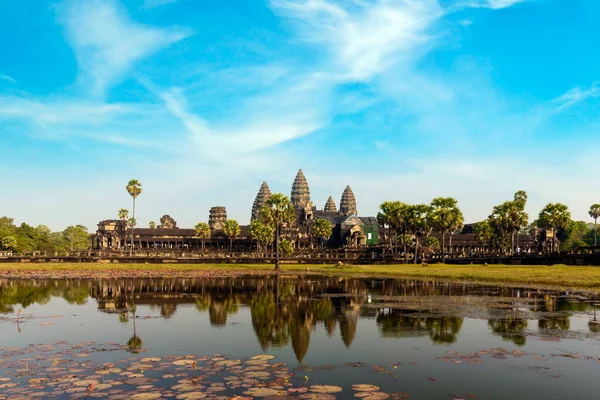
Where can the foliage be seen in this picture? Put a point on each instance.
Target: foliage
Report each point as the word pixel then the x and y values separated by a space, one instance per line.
pixel 595 214
pixel 286 248
pixel 321 229
pixel 134 188
pixel 123 214
pixel 152 225
pixel 132 222
pixel 484 232
pixel 554 216
pixel 432 243
pixel 394 214
pixel 232 230
pixel 445 216
pixel 262 233
pixel 9 243
pixel 202 230
pixel 277 213
pixel 76 238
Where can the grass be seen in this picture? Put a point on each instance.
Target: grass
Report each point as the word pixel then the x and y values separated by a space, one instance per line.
pixel 560 276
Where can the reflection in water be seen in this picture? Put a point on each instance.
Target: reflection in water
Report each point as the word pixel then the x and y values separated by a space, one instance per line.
pixel 285 311
pixel 511 329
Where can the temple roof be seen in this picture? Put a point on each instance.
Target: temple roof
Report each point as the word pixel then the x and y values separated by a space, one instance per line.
pixel 348 202
pixel 330 205
pixel 300 197
pixel 262 196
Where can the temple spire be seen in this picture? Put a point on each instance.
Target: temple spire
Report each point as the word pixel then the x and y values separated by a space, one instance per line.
pixel 262 196
pixel 300 191
pixel 330 205
pixel 348 203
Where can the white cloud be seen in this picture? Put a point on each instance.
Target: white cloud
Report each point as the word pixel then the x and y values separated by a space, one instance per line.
pixel 364 38
pixel 577 95
pixel 7 78
pixel 498 4
pixel 107 44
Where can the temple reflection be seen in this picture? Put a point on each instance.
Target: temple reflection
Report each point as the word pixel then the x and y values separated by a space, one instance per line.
pixel 286 311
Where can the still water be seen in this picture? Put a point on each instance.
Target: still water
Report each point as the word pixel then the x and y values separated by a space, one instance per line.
pixel 410 339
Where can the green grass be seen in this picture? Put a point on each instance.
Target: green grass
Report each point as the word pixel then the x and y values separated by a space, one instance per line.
pixel 555 276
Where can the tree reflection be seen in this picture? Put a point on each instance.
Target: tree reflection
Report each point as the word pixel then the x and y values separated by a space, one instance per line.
pixel 557 323
pixel 511 329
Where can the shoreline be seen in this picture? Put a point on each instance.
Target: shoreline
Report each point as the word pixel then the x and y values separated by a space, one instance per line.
pixel 546 277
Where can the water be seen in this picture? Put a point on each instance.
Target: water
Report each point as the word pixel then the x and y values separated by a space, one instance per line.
pixel 425 340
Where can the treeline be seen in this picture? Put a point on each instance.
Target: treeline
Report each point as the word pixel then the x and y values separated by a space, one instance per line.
pixel 28 239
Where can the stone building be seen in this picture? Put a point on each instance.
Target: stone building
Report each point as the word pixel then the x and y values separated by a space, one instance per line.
pixel 348 228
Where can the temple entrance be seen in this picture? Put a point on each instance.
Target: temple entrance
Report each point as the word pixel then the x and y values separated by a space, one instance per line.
pixel 356 237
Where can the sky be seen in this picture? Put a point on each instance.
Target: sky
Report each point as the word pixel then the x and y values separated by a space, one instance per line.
pixel 202 101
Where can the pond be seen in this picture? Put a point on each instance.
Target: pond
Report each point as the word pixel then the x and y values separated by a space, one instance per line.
pixel 307 337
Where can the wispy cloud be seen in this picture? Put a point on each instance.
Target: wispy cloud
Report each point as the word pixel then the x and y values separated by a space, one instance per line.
pixel 107 43
pixel 363 37
pixel 495 4
pixel 7 78
pixel 577 95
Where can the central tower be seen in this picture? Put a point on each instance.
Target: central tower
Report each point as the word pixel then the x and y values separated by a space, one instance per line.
pixel 300 192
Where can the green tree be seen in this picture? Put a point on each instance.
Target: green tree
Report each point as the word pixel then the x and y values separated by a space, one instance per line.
pixel 277 212
pixel 287 249
pixel 123 214
pixel 394 214
pixel 9 243
pixel 445 216
pixel 595 213
pixel 263 234
pixel 44 238
pixel 76 237
pixel 554 216
pixel 418 223
pixel 202 230
pixel 134 188
pixel 484 233
pixel 152 225
pixel 232 230
pixel 432 243
pixel 321 230
pixel 574 235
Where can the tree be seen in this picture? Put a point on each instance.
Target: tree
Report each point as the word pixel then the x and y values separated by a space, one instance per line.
pixel 321 229
pixel 202 230
pixel 394 214
pixel 134 188
pixel 418 223
pixel 152 225
pixel 554 216
pixel 232 230
pixel 595 213
pixel 123 214
pixel 433 243
pixel 445 216
pixel 9 243
pixel 286 248
pixel 277 213
pixel 263 234
pixel 76 237
pixel 484 232
pixel 517 218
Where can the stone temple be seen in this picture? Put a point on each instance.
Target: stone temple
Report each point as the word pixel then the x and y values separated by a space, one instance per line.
pixel 349 230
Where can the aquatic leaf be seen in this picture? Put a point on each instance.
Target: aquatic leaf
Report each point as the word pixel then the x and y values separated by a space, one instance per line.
pixel 146 396
pixel 261 392
pixel 325 389
pixel 192 395
pixel 365 388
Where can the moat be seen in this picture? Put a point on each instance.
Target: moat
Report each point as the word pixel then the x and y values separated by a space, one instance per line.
pixel 313 337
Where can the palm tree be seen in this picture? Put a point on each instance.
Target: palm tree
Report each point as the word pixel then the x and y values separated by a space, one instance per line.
pixel 595 213
pixel 232 230
pixel 484 232
pixel 202 230
pixel 135 343
pixel 152 225
pixel 520 200
pixel 517 219
pixel 554 216
pixel 394 214
pixel 263 234
pixel 123 214
pixel 418 223
pixel 134 188
pixel 445 216
pixel 322 230
pixel 277 213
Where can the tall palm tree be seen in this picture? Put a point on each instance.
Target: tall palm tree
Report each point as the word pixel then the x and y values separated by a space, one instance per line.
pixel 277 212
pixel 321 230
pixel 520 200
pixel 418 223
pixel 445 216
pixel 232 230
pixel 554 216
pixel 123 214
pixel 134 188
pixel 202 230
pixel 394 214
pixel 517 219
pixel 595 213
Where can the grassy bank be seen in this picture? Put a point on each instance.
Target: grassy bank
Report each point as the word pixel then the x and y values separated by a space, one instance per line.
pixel 556 276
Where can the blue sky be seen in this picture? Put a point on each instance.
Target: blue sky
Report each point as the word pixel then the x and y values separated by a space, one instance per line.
pixel 203 100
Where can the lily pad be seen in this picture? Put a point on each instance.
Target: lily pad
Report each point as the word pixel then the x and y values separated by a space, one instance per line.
pixel 365 388
pixel 325 389
pixel 261 392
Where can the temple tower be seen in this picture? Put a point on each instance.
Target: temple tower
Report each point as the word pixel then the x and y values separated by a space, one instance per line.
pixel 263 195
pixel 300 192
pixel 217 218
pixel 330 205
pixel 348 203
